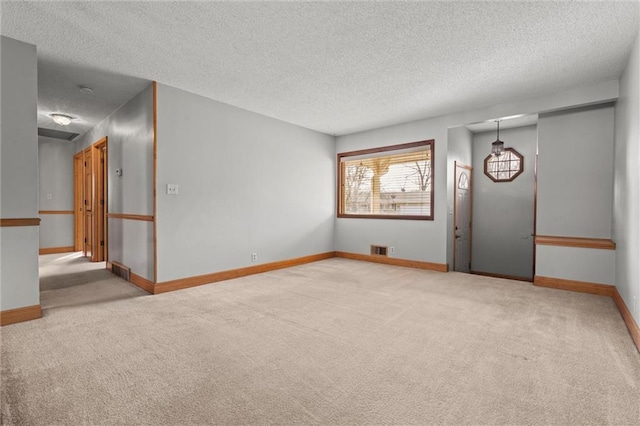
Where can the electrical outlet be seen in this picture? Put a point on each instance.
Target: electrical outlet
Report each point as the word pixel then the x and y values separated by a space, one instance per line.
pixel 254 257
pixel 392 249
pixel 172 189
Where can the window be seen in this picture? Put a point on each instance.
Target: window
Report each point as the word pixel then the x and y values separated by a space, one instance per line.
pixel 504 167
pixel 393 182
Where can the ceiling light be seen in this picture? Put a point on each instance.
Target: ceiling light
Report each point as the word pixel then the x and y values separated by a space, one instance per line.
pixel 512 117
pixel 86 89
pixel 61 119
pixel 497 147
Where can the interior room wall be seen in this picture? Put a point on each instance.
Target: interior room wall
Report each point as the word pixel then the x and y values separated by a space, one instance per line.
pixel 420 240
pixel 503 212
pixel 19 284
pixel 428 240
pixel 575 186
pixel 247 184
pixel 576 172
pixel 55 165
pixel 626 212
pixel 459 149
pixel 130 148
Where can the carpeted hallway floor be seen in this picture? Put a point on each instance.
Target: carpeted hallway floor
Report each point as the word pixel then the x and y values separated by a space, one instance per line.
pixel 331 342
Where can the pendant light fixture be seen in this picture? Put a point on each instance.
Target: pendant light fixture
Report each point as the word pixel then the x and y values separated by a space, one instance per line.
pixel 497 147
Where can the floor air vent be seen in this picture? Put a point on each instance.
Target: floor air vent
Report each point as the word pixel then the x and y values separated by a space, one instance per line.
pixel 120 270
pixel 378 251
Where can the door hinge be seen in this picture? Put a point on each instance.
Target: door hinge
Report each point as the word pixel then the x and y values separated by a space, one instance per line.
pixel 102 243
pixel 102 202
pixel 85 164
pixel 102 160
pixel 85 241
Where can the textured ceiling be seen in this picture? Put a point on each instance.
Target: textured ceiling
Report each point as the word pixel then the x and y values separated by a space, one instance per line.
pixel 336 67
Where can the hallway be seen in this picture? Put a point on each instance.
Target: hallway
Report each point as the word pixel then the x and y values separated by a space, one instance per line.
pixel 70 280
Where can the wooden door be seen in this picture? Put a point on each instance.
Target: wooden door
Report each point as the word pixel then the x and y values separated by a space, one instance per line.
pixel 78 201
pixel 462 219
pixel 88 202
pixel 100 211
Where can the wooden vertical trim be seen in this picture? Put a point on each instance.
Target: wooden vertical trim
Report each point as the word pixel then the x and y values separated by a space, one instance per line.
pixel 99 223
pixel 535 209
pixel 86 159
pixel 632 326
pixel 27 313
pixel 78 196
pixel 155 181
pixel 455 208
pixel 105 210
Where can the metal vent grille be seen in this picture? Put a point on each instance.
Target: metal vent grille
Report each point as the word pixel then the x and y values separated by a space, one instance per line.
pixel 120 270
pixel 56 134
pixel 378 251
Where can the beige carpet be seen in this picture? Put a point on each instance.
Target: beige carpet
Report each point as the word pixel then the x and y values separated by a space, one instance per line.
pixel 332 342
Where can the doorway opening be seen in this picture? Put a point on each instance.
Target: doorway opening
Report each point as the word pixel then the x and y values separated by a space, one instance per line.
pixel 90 201
pixel 493 204
pixel 462 208
pixel 504 203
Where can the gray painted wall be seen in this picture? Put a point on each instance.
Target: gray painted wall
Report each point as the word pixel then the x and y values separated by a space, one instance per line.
pixel 460 149
pixel 421 240
pixel 428 240
pixel 55 165
pixel 247 183
pixel 575 198
pixel 626 212
pixel 577 264
pixel 130 148
pixel 575 180
pixel 503 211
pixel 19 285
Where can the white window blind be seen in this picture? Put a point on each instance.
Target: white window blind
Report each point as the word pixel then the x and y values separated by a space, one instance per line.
pixel 392 182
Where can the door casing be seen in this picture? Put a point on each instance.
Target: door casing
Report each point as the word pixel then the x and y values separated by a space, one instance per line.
pixel 456 225
pixel 90 201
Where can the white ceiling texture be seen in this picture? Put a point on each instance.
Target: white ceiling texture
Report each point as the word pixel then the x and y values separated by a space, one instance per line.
pixel 336 67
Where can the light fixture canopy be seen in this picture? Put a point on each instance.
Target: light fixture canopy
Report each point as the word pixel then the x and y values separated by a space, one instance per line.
pixel 61 119
pixel 497 147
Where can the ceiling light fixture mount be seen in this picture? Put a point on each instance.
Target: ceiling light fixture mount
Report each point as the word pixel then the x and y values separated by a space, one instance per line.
pixel 497 147
pixel 61 119
pixel 86 90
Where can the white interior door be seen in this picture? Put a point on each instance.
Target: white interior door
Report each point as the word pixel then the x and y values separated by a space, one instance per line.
pixel 462 210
